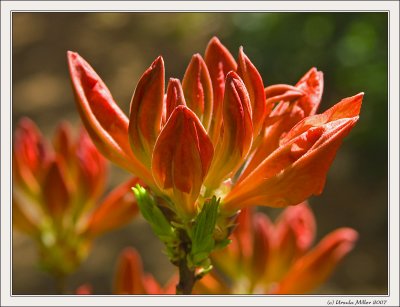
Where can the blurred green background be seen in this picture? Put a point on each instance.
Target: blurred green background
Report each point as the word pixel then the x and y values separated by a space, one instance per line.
pixel 350 48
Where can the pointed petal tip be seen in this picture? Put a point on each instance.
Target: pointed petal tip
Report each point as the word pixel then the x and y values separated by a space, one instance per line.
pixel 214 40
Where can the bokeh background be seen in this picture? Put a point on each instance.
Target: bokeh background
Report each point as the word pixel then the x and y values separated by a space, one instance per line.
pixel 350 48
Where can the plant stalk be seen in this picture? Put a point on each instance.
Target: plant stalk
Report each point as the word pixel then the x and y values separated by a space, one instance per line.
pixel 187 278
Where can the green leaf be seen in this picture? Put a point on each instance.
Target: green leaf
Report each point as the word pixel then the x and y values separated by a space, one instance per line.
pixel 202 232
pixel 152 214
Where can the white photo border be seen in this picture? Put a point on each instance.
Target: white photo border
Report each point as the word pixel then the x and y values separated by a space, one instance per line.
pixel 8 7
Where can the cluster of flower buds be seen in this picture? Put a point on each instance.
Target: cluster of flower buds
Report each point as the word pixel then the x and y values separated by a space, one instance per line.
pixel 219 124
pixel 219 137
pixel 276 258
pixel 56 195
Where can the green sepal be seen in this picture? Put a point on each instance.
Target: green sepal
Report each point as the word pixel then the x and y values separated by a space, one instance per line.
pixel 152 214
pixel 201 234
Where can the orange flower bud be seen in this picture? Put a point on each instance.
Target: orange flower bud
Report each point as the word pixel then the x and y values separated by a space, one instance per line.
pixel 56 191
pixel 30 157
pixel 198 91
pixel 315 267
pixel 298 168
pixel 131 279
pixel 238 131
pixel 174 96
pixel 219 62
pixel 103 119
pixel 146 111
pixel 129 275
pixel 262 244
pixel 63 144
pixel 117 209
pixel 91 167
pixel 181 158
pixel 255 87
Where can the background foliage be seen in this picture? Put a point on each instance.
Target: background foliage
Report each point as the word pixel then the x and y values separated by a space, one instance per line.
pixel 350 48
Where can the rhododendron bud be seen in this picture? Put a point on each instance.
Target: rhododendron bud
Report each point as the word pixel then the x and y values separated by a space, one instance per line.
pixel 30 154
pixel 174 96
pixel 255 87
pixel 146 112
pixel 131 279
pixel 105 122
pixel 219 62
pixel 198 91
pixel 181 158
pixel 129 276
pixel 56 191
pixel 238 131
pixel 69 179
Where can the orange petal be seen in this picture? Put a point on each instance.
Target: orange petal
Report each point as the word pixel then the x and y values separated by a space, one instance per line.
pixel 56 192
pixel 314 268
pixel 146 111
pixel 304 100
pixel 92 167
pixel 255 87
pixel 174 96
pixel 219 62
pixel 293 172
pixel 347 108
pixel 117 209
pixel 30 156
pixel 129 275
pixel 238 131
pixel 103 119
pixel 295 230
pixel 312 84
pixel 182 157
pixel 62 142
pixel 287 115
pixel 197 88
pixel 281 92
pixel 261 245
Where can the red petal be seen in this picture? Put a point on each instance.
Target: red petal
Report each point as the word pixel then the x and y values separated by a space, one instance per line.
pixel 315 267
pixel 197 87
pixel 103 119
pixel 56 192
pixel 219 62
pixel 117 209
pixel 182 155
pixel 174 96
pixel 238 131
pixel 255 87
pixel 146 111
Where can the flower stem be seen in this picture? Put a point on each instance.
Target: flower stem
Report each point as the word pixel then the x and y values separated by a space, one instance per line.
pixel 187 278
